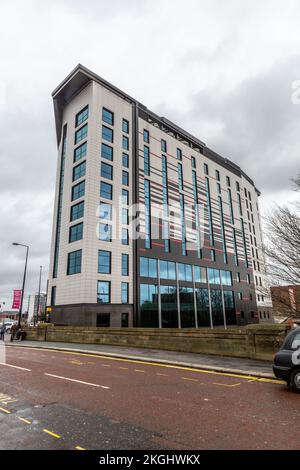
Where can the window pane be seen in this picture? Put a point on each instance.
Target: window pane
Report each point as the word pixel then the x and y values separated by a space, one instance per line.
pixel 77 211
pixel 107 134
pixel 152 267
pixel 125 289
pixel 125 143
pixel 105 211
pixel 104 262
pixel 125 236
pixel 107 152
pixel 125 126
pixel 169 310
pixel 163 268
pixel 81 134
pixel 125 216
pixel 187 307
pixel 106 171
pixel 149 305
pixel 125 178
pixel 105 232
pixel 103 292
pixel 106 190
pixel 125 264
pixel 79 171
pixel 78 190
pixel 82 116
pixel 144 267
pixel 146 136
pixel 125 160
pixel 76 232
pixel 74 262
pixel 108 116
pixel 80 152
pixel 125 197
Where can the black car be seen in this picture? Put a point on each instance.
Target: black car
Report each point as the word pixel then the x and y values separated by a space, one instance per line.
pixel 287 360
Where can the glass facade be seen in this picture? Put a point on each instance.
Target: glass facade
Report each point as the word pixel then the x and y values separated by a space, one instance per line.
pixel 217 307
pixel 169 307
pixel 167 270
pixel 148 267
pixel 187 307
pixel 202 307
pixel 149 305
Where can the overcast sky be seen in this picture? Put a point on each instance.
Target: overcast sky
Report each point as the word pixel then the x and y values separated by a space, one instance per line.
pixel 223 70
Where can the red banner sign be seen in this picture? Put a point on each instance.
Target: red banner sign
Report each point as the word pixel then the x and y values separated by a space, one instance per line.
pixel 17 299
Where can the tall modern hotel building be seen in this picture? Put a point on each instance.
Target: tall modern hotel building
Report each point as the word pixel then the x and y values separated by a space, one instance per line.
pixel 151 227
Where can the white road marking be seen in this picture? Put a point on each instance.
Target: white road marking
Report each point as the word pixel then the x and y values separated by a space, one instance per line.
pixel 15 367
pixel 74 380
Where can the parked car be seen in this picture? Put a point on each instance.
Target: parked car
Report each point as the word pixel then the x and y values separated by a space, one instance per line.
pixel 287 361
pixel 8 325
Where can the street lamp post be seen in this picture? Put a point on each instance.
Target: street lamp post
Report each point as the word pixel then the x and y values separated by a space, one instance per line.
pixel 24 279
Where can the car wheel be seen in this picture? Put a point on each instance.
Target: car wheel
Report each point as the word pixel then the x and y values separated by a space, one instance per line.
pixel 295 380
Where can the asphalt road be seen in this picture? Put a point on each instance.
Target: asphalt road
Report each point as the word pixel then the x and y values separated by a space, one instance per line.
pixel 59 400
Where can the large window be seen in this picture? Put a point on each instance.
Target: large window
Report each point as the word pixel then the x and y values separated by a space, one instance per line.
pixel 148 267
pixel 125 264
pixel 105 232
pixel 74 262
pixel 213 276
pixel 76 232
pixel 81 134
pixel 167 270
pixel 82 116
pixel 104 262
pixel 146 161
pixel 217 307
pixel 124 292
pixel 103 292
pixel 169 308
pixel 80 152
pixel 77 211
pixel 149 305
pixel 229 307
pixel 107 134
pixel 107 152
pixel 202 303
pixel 106 190
pixel 79 171
pixel 106 171
pixel 226 278
pixel 185 272
pixel 78 190
pixel 108 116
pixel 187 307
pixel 105 211
pixel 200 274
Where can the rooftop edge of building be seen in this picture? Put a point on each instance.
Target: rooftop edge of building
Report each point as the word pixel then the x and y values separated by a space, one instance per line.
pixel 78 79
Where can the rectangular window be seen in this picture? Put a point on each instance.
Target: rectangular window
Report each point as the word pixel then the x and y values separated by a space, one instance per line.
pixel 212 255
pixel 125 292
pixel 125 178
pixel 125 236
pixel 76 232
pixel 125 216
pixel 105 232
pixel 53 295
pixel 148 267
pixel 125 143
pixel 180 177
pixel 228 181
pixel 106 190
pixel 80 152
pixel 185 272
pixel 193 161
pixel 107 134
pixel 237 186
pixel 200 274
pixel 107 152
pixel 147 191
pixel 163 146
pixel 74 262
pixel 81 134
pixel 125 160
pixel 103 320
pixel 179 155
pixel 105 211
pixel 146 161
pixel 78 190
pixel 167 270
pixel 217 175
pixel 226 278
pixel 125 197
pixel 103 292
pixel 77 211
pixel 209 212
pixel 146 136
pixel 125 126
pixel 125 264
pixel 108 116
pixel 106 171
pixel 205 169
pixel 79 171
pixel 104 262
pixel 213 276
pixel 82 116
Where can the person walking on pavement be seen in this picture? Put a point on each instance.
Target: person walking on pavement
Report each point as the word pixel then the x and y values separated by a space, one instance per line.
pixel 2 332
pixel 13 331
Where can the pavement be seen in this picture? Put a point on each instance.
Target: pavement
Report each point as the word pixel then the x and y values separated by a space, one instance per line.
pixel 63 399
pixel 232 365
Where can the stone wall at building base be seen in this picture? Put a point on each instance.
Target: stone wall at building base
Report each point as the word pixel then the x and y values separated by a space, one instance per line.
pixel 252 341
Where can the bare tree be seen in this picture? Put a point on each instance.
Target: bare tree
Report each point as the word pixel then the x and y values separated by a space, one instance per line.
pixel 282 248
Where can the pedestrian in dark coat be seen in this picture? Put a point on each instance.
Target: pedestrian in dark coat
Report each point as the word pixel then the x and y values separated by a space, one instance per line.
pixel 2 332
